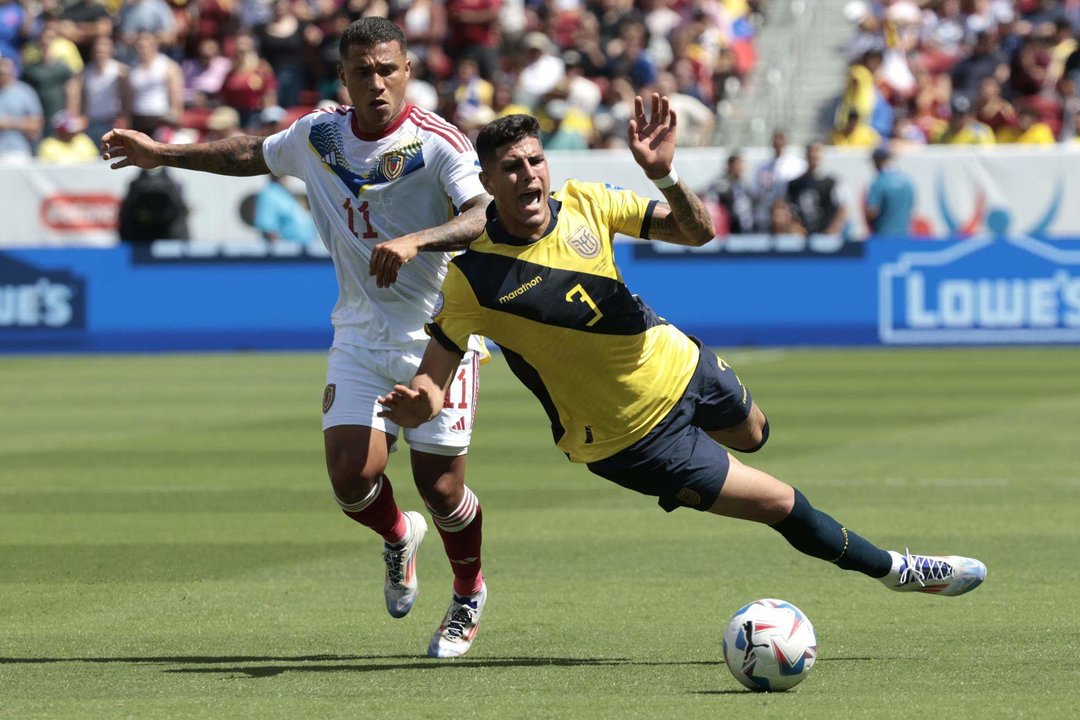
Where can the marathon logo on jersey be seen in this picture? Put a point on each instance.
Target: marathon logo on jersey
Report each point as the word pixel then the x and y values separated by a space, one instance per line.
pixel 995 289
pixel 35 299
pixel 584 243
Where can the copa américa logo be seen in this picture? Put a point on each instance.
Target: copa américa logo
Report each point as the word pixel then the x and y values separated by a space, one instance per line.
pixel 998 287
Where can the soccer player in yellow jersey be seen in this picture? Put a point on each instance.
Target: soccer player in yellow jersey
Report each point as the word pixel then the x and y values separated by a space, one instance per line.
pixel 631 396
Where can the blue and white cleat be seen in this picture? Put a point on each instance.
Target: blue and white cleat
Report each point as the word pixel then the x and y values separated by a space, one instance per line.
pixel 455 636
pixel 935 574
pixel 401 585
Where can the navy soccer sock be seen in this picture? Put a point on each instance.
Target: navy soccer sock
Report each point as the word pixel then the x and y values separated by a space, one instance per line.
pixel 817 534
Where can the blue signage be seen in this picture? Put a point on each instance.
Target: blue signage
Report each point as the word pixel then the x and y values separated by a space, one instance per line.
pixel 1000 288
pixel 35 299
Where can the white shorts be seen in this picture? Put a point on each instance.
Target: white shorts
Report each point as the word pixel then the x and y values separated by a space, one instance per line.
pixel 356 377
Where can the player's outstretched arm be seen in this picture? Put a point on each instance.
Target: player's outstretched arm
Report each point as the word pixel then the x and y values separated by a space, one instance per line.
pixel 420 401
pixel 238 156
pixel 456 234
pixel 683 219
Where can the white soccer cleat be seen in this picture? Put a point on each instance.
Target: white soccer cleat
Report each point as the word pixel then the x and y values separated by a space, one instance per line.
pixel 935 574
pixel 401 585
pixel 455 636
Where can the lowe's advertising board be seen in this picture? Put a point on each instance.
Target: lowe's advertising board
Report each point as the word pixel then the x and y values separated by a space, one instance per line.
pixel 752 290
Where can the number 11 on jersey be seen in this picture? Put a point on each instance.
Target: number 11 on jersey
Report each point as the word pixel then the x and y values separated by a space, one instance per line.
pixel 362 211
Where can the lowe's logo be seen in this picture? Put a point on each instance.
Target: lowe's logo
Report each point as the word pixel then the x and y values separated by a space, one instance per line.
pixel 35 299
pixel 995 289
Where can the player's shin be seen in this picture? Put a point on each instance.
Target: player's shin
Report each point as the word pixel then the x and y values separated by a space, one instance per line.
pixel 817 534
pixel 378 511
pixel 461 532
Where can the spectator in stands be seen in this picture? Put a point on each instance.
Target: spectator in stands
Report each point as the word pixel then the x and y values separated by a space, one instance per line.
pixel 564 127
pixel 855 133
pixel 59 46
pixel 993 110
pixel 772 177
pixel 271 120
pixel 1030 68
pixel 83 22
pixel 157 87
pixel 250 85
pixel 860 90
pixel 471 92
pixel 204 74
pixel 963 128
pixel 283 42
pixel 816 196
pixel 578 90
pixel 473 32
pixel 20 115
pixel 12 22
pixel 890 200
pixel 628 57
pixel 147 16
pixel 541 70
pixel 104 97
pixel 735 196
pixel 153 209
pixel 68 143
pixel 424 24
pixel 217 20
pixel 696 120
pixel 223 122
pixel 943 34
pixel 985 61
pixel 783 220
pixel 502 101
pixel 1029 130
pixel 280 216
pixel 51 77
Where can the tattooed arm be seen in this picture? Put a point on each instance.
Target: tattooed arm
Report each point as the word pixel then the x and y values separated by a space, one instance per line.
pixel 683 220
pixel 456 234
pixel 233 156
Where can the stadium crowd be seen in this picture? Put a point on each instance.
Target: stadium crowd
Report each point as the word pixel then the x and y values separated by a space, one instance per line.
pixel 187 70
pixel 974 72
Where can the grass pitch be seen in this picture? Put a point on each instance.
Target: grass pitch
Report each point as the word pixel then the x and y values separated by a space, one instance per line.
pixel 169 548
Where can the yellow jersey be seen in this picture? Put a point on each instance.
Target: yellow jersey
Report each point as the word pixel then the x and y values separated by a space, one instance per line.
pixel 605 367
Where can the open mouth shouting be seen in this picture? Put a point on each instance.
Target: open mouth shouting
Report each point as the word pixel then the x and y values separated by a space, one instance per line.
pixel 531 201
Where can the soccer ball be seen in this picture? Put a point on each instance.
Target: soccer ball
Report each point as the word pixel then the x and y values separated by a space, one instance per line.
pixel 770 645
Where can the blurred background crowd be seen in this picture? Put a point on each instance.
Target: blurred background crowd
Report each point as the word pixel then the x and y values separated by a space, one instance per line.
pixel 187 70
pixel 975 72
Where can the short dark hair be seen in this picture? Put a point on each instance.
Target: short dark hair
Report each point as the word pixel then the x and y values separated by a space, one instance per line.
pixel 504 131
pixel 368 31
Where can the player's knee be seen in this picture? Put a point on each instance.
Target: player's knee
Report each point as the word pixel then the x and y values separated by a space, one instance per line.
pixel 351 477
pixel 442 493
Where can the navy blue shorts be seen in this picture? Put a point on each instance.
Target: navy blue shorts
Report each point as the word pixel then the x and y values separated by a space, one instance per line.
pixel 677 462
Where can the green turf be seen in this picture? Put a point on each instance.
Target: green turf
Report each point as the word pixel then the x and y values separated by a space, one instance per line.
pixel 169 548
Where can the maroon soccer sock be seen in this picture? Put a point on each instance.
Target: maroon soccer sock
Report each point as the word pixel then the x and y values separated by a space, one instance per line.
pixel 379 512
pixel 461 535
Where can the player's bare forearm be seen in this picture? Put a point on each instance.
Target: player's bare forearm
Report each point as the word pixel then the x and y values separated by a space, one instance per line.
pixel 683 220
pixel 238 156
pixel 232 156
pixel 458 233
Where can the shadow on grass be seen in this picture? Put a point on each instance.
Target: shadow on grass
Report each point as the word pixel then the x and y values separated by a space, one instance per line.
pixel 235 665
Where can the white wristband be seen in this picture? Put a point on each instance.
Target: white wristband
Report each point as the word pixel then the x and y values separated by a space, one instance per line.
pixel 669 180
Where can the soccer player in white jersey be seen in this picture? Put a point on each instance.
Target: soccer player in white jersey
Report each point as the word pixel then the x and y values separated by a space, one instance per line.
pixel 384 179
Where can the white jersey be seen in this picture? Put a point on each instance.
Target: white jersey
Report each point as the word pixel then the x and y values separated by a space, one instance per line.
pixel 366 189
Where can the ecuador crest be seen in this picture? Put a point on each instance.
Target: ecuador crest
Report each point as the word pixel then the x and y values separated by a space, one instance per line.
pixel 584 243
